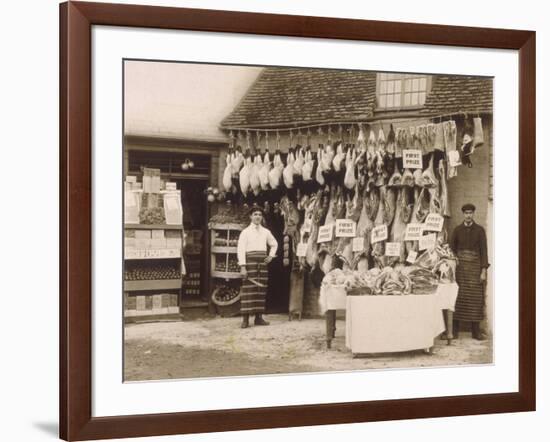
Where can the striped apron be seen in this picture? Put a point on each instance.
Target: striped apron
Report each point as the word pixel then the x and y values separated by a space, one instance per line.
pixel 470 303
pixel 252 296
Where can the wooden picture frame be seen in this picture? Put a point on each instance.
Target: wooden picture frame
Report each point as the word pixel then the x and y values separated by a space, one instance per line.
pixel 76 421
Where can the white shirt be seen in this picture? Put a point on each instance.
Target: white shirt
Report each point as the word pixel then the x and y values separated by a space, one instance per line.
pixel 255 238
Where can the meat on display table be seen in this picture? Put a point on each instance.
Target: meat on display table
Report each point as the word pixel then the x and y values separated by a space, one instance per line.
pixel 378 324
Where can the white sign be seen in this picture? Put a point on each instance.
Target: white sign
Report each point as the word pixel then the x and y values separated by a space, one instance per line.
pixel 413 232
pixel 393 249
pixel 307 225
pixel 379 233
pixel 411 257
pixel 427 242
pixel 454 158
pixel 345 228
pixel 358 244
pixel 301 249
pixel 130 253
pixel 433 223
pixel 412 159
pixel 325 233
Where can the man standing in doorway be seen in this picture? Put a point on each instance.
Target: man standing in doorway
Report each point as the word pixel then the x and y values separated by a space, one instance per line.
pixel 252 252
pixel 469 243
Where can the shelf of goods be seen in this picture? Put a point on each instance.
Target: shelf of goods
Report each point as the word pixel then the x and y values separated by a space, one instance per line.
pixel 224 238
pixel 152 269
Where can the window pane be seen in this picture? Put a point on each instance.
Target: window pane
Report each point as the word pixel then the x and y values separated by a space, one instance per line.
pixel 383 87
pixel 397 85
pixel 415 84
pixel 421 98
pixel 423 84
pixel 414 99
pixel 397 100
pixel 390 101
pixel 407 100
pixel 382 101
pixel 408 84
pixel 390 87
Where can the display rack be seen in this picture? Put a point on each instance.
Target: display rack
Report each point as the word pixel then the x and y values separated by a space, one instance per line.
pixel 224 261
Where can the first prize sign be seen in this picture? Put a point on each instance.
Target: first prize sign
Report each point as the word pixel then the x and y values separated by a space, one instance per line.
pixel 412 159
pixel 413 232
pixel 379 233
pixel 325 233
pixel 433 223
pixel 345 228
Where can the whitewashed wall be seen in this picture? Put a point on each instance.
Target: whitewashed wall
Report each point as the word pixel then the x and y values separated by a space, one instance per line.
pixel 182 100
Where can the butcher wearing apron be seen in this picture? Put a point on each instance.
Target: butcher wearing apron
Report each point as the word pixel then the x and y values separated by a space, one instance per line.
pixel 253 257
pixel 469 243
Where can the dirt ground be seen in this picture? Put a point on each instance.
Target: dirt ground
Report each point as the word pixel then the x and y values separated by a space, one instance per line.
pixel 218 347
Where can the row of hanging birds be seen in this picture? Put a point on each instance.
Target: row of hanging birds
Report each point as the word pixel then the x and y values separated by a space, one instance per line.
pixel 373 160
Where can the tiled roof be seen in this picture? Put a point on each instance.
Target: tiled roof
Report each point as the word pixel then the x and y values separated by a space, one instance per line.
pixel 453 93
pixel 286 97
pixel 294 96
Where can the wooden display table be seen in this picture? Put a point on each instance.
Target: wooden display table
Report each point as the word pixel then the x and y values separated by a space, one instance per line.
pixel 390 317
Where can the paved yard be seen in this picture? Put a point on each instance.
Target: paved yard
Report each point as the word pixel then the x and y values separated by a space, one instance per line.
pixel 218 347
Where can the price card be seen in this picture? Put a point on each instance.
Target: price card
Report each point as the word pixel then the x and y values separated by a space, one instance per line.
pixel 427 242
pixel 412 159
pixel 325 233
pixel 301 249
pixel 433 223
pixel 379 233
pixel 454 158
pixel 345 228
pixel 393 249
pixel 307 225
pixel 358 244
pixel 411 257
pixel 413 232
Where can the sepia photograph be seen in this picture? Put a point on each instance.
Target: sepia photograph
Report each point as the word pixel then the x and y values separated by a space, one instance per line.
pixel 284 220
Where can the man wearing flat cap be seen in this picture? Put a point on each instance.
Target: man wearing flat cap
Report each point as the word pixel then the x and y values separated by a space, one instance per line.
pixel 253 255
pixel 469 243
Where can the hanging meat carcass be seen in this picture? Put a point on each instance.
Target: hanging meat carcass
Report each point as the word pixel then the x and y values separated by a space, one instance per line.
pixel 344 248
pixel 319 212
pixel 443 191
pixel 264 172
pixel 364 228
pixel 291 218
pixel 288 171
pixel 399 226
pixel 378 248
pixel 396 179
pixel 255 174
pixel 307 226
pixel 390 197
pixel 428 176
pixel 449 133
pixel 244 174
pixel 336 210
pixel 276 173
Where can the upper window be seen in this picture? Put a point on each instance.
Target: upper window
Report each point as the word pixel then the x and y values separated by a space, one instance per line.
pixel 397 91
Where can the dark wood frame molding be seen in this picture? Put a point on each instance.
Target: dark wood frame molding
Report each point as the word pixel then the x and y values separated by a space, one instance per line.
pixel 76 20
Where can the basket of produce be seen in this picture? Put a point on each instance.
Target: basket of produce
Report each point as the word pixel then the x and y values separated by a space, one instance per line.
pixel 227 300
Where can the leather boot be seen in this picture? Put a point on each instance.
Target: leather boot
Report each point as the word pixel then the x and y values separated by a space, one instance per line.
pixel 477 333
pixel 456 328
pixel 258 320
pixel 244 324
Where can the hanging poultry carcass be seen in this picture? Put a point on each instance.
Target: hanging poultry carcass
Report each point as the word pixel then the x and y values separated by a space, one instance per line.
pixel 319 177
pixel 307 169
pixel 264 172
pixel 288 171
pixel 255 174
pixel 276 173
pixel 228 172
pixel 344 248
pixel 299 160
pixel 349 178
pixel 339 158
pixel 244 174
pixel 237 161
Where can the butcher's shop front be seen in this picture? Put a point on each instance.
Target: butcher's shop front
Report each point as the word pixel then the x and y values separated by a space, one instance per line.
pixel 359 181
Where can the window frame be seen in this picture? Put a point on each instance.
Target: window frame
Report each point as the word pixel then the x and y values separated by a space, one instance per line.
pixel 379 108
